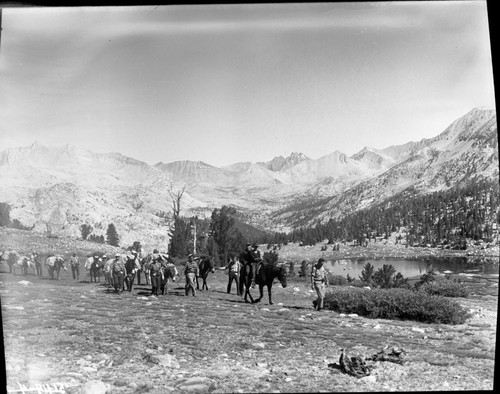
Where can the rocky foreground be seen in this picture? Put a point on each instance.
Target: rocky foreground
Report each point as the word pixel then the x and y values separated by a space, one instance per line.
pixel 76 336
pixel 81 337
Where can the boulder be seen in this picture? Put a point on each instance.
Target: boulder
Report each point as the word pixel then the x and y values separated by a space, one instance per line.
pixel 165 360
pixel 93 387
pixel 196 385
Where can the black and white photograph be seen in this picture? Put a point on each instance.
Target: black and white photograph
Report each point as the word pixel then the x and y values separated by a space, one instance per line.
pixel 248 197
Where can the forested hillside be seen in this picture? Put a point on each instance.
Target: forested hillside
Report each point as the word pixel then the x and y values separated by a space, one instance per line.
pixel 442 218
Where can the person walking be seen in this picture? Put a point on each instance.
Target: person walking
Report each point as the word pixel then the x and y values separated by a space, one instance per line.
pixel 234 274
pixel 155 272
pixel 38 263
pixel 319 279
pixel 75 266
pixel 108 272
pixel 118 269
pixel 191 272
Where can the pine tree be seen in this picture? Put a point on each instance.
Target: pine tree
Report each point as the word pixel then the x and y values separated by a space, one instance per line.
pixel 367 274
pixel 4 214
pixel 227 238
pixel 180 235
pixel 112 235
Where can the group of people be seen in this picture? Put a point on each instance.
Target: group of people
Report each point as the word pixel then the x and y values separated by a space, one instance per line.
pixel 252 257
pixel 120 271
pixel 124 270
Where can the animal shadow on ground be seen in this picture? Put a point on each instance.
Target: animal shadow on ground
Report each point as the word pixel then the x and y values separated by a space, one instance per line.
pixel 300 307
pixel 140 287
pixel 238 301
pixel 143 293
pixel 219 291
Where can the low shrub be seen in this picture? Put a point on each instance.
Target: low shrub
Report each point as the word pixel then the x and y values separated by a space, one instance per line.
pixel 445 288
pixel 428 277
pixel 337 280
pixel 395 303
pixel 357 283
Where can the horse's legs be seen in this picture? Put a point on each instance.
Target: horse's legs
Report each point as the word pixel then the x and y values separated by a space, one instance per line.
pixel 241 287
pixel 261 289
pixel 269 293
pixel 250 295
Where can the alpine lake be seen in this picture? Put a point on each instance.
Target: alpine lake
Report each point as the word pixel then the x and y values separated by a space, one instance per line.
pixel 411 268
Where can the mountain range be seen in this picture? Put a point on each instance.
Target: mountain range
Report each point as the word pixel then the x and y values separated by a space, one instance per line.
pixel 56 190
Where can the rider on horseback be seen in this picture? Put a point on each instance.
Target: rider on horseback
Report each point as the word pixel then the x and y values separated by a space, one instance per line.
pixel 252 257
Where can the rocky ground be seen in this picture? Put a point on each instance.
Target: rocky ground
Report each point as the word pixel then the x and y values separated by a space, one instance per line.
pixel 73 335
pixel 69 334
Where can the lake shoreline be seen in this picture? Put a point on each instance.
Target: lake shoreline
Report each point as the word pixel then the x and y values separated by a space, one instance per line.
pixel 293 252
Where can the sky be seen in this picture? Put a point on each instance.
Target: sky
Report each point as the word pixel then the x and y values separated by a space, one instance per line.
pixel 242 82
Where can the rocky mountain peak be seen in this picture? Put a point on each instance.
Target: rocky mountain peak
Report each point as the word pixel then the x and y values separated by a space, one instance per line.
pixel 67 186
pixel 280 163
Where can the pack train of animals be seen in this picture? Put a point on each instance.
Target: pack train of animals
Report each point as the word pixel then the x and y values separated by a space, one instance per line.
pixel 121 271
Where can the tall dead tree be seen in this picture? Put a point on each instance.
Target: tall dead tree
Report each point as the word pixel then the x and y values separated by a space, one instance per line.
pixel 176 197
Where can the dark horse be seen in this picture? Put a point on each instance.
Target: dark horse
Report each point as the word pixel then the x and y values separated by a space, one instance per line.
pixel 169 272
pixel 96 269
pixel 264 277
pixel 204 267
pixel 11 257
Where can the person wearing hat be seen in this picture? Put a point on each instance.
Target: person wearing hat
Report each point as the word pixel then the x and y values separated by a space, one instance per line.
pixel 319 279
pixel 141 268
pixel 256 262
pixel 246 258
pixel 108 271
pixel 38 263
pixel 118 269
pixel 75 266
pixel 191 272
pixel 155 272
pixel 233 268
